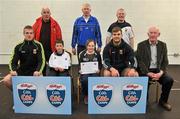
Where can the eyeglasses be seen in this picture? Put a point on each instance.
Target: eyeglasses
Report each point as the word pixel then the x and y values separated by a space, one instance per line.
pixel 28 32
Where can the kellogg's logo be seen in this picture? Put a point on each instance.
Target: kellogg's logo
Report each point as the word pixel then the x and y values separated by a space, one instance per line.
pixel 102 94
pixel 56 94
pixel 27 93
pixel 132 94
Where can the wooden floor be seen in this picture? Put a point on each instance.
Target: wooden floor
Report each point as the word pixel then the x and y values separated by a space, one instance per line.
pixel 80 110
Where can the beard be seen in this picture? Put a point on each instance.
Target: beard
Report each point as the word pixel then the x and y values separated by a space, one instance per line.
pixel 117 41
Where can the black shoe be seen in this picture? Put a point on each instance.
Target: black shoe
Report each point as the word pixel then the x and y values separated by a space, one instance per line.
pixel 165 105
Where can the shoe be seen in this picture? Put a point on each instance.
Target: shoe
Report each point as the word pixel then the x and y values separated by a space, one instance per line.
pixel 86 100
pixel 165 105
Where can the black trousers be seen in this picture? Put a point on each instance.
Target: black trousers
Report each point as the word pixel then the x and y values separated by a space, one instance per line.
pixel 84 82
pixel 52 72
pixel 167 82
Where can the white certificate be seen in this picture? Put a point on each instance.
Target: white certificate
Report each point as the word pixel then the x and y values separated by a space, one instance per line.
pixel 57 61
pixel 89 67
pixel 63 64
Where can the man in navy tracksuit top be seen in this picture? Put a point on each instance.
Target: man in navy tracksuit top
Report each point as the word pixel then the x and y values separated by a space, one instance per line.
pixel 27 59
pixel 118 57
pixel 85 27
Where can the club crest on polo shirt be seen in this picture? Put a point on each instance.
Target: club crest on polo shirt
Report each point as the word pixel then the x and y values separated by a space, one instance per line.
pixel 102 94
pixel 27 93
pixel 132 94
pixel 56 94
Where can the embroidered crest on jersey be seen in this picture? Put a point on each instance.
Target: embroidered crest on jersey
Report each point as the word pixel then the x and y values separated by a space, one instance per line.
pixel 121 52
pixel 34 51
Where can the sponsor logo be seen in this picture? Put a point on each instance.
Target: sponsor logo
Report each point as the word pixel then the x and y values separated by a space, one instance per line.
pixel 56 94
pixel 132 94
pixel 27 93
pixel 102 94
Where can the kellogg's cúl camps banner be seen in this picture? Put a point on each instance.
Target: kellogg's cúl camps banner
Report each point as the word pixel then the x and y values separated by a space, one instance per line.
pixel 117 95
pixel 42 95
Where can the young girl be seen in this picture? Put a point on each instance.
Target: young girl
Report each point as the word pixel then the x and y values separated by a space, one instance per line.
pixel 89 55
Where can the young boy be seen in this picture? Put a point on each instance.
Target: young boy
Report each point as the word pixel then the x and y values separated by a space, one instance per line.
pixel 59 61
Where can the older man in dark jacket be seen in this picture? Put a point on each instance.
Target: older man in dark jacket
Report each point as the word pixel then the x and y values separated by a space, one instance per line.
pixel 152 62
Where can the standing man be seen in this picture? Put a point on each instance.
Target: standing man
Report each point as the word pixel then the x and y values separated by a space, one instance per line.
pixel 47 31
pixel 118 56
pixel 27 58
pixel 85 27
pixel 153 61
pixel 127 32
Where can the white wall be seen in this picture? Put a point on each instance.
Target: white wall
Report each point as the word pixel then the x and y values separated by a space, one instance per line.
pixel 15 14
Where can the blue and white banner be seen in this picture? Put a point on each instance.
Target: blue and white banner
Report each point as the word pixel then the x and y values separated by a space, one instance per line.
pixel 117 95
pixel 42 95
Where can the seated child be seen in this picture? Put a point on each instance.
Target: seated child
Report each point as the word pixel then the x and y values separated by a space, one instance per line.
pixel 89 55
pixel 59 61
